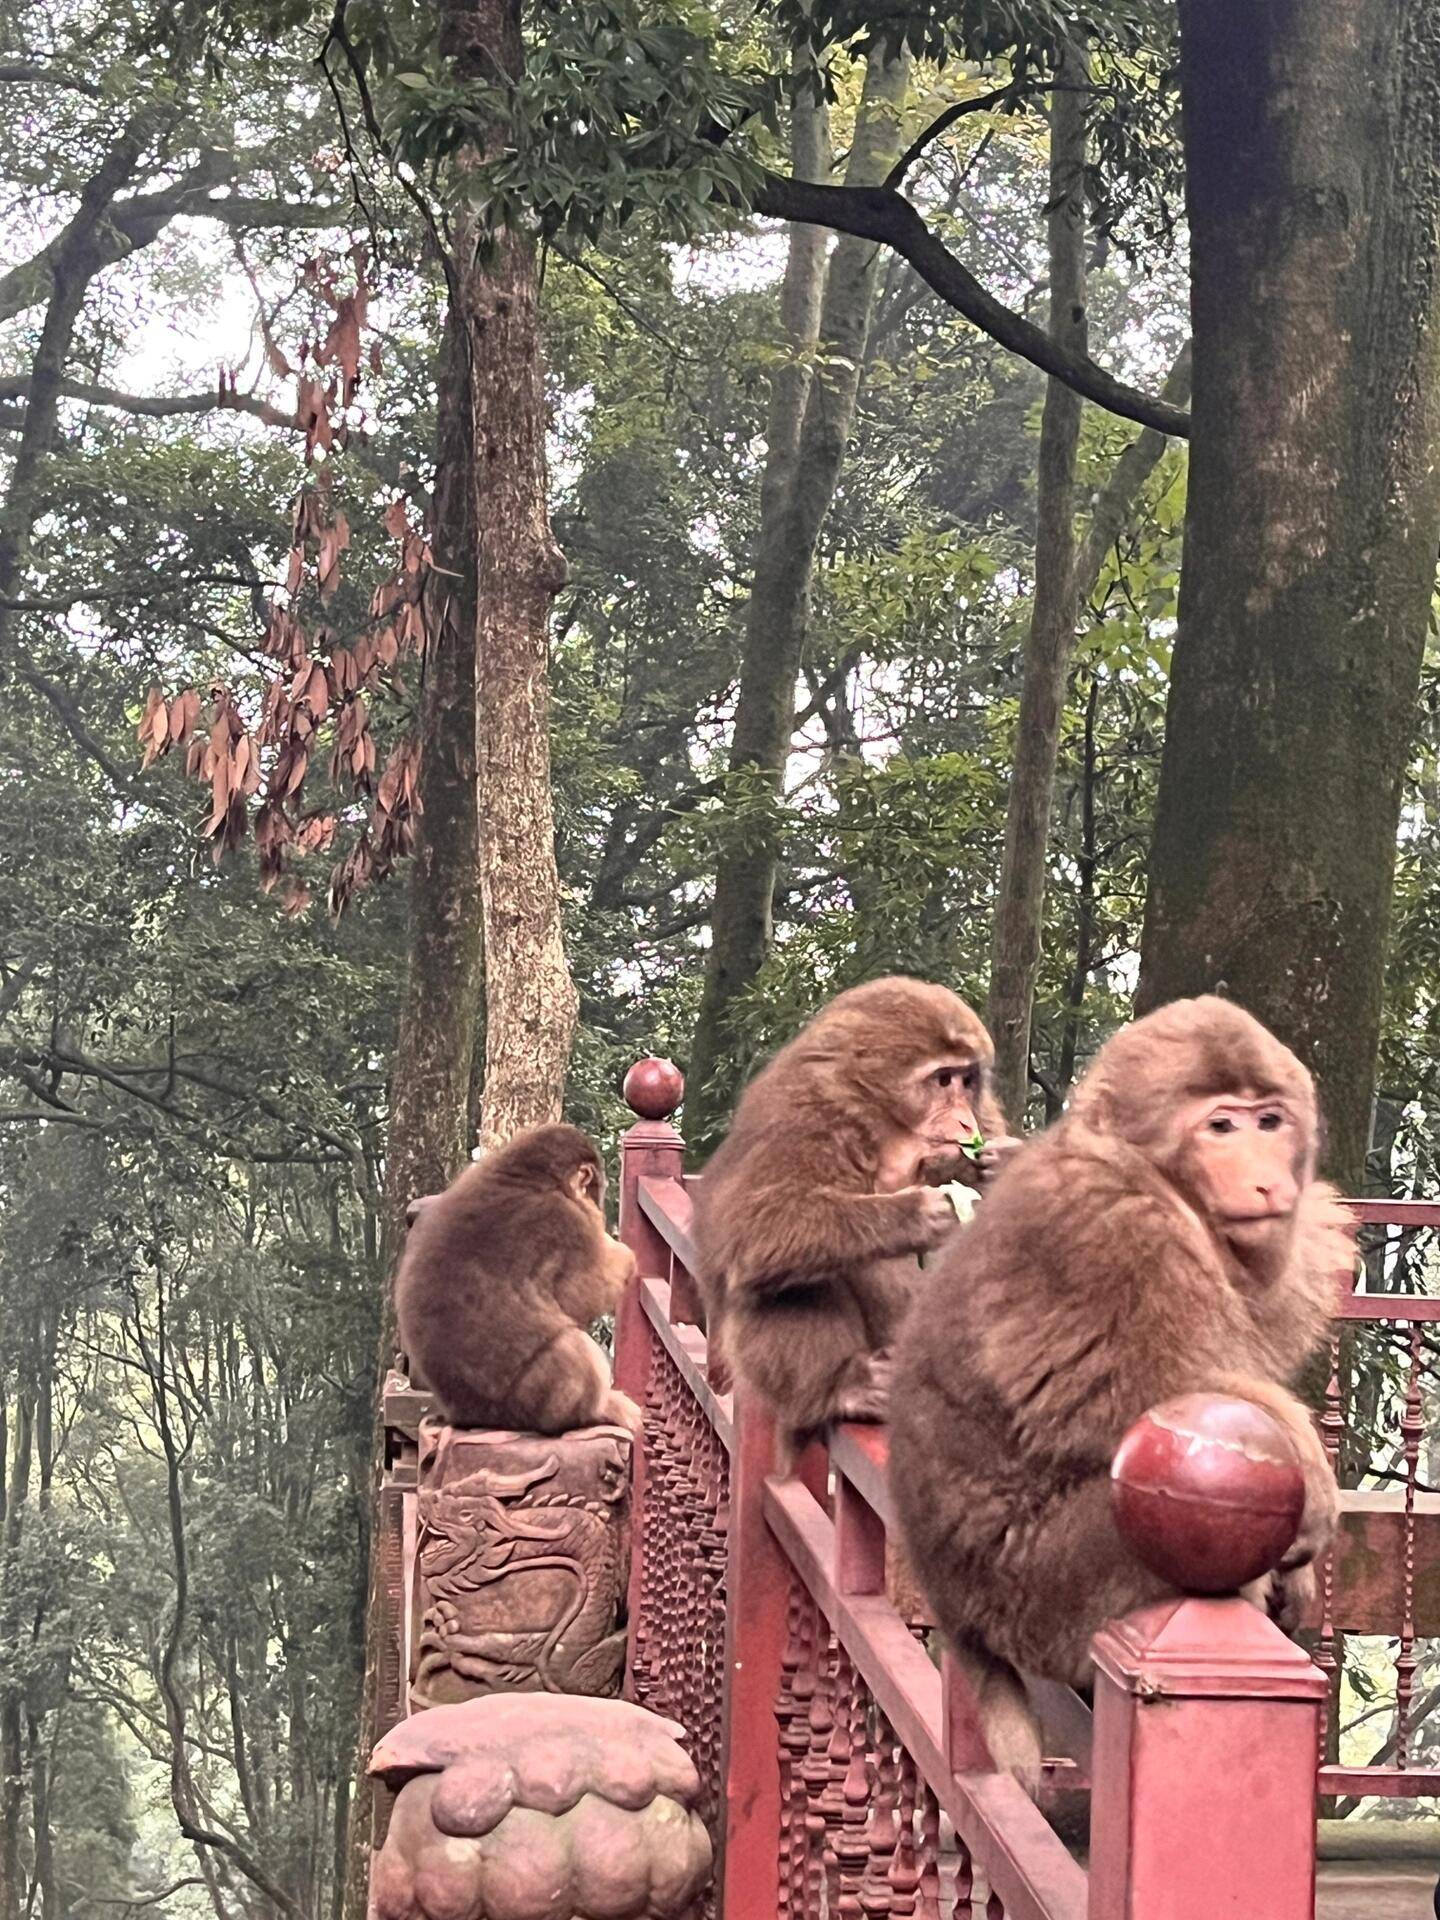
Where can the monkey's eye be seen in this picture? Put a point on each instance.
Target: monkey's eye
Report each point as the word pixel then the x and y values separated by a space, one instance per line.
pixel 1270 1122
pixel 1221 1123
pixel 972 1079
pixel 945 1076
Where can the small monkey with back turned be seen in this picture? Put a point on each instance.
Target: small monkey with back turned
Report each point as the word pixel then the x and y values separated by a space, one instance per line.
pixel 809 1216
pixel 501 1275
pixel 1166 1236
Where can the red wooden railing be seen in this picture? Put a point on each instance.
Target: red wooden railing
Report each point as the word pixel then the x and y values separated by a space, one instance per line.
pixel 840 1764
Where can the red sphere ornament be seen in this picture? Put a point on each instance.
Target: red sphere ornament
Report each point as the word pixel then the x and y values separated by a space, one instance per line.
pixel 1208 1491
pixel 654 1088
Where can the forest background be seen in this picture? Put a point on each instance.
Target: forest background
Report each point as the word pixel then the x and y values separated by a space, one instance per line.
pixel 822 703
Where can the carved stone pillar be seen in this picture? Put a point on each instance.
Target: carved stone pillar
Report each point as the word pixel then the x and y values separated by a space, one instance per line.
pixel 521 1560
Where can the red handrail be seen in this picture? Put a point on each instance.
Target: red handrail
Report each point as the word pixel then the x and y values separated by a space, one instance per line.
pixel 833 1779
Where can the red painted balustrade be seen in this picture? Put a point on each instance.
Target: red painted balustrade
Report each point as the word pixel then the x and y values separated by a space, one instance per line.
pixel 841 1764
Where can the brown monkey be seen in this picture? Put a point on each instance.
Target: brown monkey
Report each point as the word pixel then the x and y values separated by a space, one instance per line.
pixel 1167 1235
pixel 808 1218
pixel 501 1275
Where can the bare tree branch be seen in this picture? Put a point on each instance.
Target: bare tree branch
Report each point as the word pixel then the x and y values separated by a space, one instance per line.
pixel 34 73
pixel 942 123
pixel 885 216
pixel 132 224
pixel 163 406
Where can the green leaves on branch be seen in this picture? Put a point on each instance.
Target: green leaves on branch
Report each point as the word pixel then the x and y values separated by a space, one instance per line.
pixel 619 112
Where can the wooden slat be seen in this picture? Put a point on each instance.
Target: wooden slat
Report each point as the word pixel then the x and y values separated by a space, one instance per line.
pixel 1021 1858
pixel 1381 1783
pixel 670 1210
pixel 686 1347
pixel 1368 1592
pixel 862 1454
pixel 1401 1309
pixel 1396 1213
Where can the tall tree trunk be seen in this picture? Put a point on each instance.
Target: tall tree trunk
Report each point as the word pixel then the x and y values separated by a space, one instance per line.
pixel 1020 897
pixel 811 419
pixel 1312 146
pixel 430 1132
pixel 531 1005
pixel 485 880
pixel 430 1136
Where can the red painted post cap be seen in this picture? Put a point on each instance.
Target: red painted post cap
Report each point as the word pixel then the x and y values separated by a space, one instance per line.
pixel 654 1088
pixel 1208 1491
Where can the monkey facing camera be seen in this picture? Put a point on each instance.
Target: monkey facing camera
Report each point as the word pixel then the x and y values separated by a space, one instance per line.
pixel 501 1276
pixel 1166 1237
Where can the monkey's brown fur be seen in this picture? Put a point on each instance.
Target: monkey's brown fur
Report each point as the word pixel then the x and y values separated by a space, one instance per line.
pixel 1094 1283
pixel 501 1275
pixel 809 1215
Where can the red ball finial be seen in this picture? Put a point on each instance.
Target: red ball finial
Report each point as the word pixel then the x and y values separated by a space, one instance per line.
pixel 654 1088
pixel 1208 1491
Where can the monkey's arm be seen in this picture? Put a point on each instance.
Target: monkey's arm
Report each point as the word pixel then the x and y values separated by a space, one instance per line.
pixel 786 1239
pixel 1322 1497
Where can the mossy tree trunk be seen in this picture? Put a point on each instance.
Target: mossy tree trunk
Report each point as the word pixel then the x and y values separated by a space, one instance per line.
pixel 1312 144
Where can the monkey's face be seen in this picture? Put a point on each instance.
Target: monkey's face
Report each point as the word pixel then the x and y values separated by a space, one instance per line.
pixel 1243 1159
pixel 940 1104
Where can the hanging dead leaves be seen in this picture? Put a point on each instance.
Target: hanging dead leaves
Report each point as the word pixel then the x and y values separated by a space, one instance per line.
pixel 319 679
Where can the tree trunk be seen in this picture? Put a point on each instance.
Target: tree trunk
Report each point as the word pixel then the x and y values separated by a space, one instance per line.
pixel 810 423
pixel 1312 145
pixel 531 1004
pixel 430 1136
pixel 1020 896
pixel 485 877
pixel 430 1133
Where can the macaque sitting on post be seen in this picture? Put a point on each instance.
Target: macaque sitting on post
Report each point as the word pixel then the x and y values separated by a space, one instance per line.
pixel 810 1215
pixel 502 1274
pixel 1166 1236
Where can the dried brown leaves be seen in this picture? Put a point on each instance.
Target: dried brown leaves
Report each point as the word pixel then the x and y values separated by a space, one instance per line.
pixel 318 679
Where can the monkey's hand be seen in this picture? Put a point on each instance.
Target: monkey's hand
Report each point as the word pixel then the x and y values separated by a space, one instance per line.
pixel 935 1216
pixel 1286 1597
pixel 620 1267
pixel 1318 1521
pixel 995 1153
pixel 863 1390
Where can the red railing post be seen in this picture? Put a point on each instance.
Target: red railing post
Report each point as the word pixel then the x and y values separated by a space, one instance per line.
pixel 756 1612
pixel 1203 1785
pixel 650 1150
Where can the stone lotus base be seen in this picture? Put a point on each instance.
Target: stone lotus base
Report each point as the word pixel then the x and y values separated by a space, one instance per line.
pixel 539 1807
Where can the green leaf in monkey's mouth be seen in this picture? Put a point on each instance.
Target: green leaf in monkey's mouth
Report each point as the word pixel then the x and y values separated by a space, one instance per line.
pixel 973 1147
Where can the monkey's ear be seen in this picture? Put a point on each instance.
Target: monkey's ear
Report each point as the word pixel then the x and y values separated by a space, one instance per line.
pixel 584 1183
